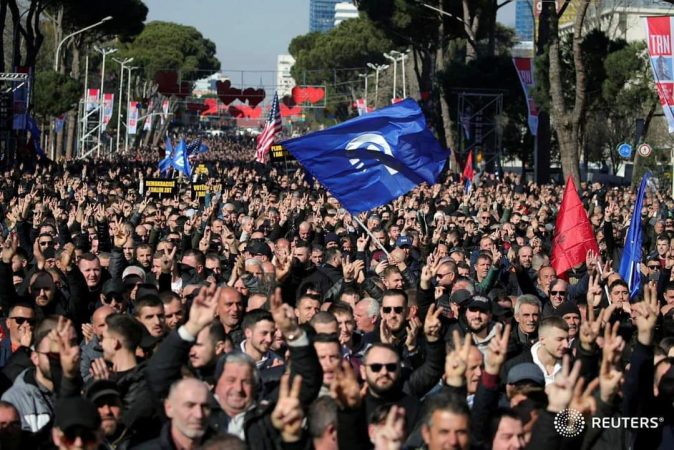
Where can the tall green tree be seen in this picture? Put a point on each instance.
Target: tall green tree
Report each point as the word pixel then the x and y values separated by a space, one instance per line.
pixel 171 46
pixel 335 58
pixel 54 94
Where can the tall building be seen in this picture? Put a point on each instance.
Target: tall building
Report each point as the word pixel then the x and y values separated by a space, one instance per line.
pixel 345 11
pixel 322 14
pixel 524 20
pixel 284 81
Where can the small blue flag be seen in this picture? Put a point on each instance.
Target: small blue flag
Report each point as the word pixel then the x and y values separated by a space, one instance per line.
pixel 180 161
pixel 165 164
pixel 629 264
pixel 370 160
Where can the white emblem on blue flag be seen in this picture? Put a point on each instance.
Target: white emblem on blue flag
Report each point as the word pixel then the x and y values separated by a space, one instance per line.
pixel 372 142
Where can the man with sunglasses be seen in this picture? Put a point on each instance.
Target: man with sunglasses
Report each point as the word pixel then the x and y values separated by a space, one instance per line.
pixel 16 330
pixel 387 384
pixel 558 294
pixel 32 392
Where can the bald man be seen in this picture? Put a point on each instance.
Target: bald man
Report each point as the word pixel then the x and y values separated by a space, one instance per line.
pixel 230 313
pixel 91 350
pixel 187 407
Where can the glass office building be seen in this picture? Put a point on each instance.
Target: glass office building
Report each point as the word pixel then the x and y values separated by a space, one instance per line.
pixel 524 20
pixel 322 14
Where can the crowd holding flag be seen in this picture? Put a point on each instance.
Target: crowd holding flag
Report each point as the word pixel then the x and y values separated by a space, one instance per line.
pixel 271 129
pixel 385 154
pixel 631 259
pixel 573 236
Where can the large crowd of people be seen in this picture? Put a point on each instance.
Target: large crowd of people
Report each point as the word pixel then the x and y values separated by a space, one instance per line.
pixel 262 316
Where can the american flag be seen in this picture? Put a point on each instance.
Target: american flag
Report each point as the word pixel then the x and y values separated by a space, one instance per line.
pixel 271 129
pixel 193 147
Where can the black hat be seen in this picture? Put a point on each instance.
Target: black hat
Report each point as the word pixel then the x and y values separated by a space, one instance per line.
pixel 102 388
pixel 565 308
pixel 461 297
pixel 146 290
pixel 76 412
pixel 480 302
pixel 113 286
pixel 331 237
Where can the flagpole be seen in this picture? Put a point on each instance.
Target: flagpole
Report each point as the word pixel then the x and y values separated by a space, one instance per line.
pixel 374 239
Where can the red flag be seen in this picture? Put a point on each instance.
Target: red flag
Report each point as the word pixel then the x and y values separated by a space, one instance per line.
pixel 468 168
pixel 573 232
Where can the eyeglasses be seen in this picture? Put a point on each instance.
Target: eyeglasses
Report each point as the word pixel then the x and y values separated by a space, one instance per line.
pixel 396 309
pixel 109 300
pixel 88 436
pixel 440 275
pixel 560 293
pixel 21 320
pixel 376 367
pixel 46 243
pixel 654 267
pixel 484 217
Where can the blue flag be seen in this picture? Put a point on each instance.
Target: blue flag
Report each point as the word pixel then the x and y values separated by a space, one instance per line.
pixel 180 161
pixel 629 264
pixel 165 164
pixel 35 133
pixel 370 160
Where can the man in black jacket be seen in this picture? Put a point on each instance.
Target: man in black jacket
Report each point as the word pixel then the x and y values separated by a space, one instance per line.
pixel 187 408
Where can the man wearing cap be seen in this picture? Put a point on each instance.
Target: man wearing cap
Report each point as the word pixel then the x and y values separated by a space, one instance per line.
pixel 403 255
pixel 331 240
pixel 479 322
pixel 77 425
pixel 571 315
pixel 523 375
pixel 105 395
pixel 115 295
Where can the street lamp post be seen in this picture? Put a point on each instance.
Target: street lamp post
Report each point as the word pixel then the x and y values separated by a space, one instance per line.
pixel 402 57
pixel 395 72
pixel 376 69
pixel 365 75
pixel 101 111
pixel 121 91
pixel 58 47
pixel 128 101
